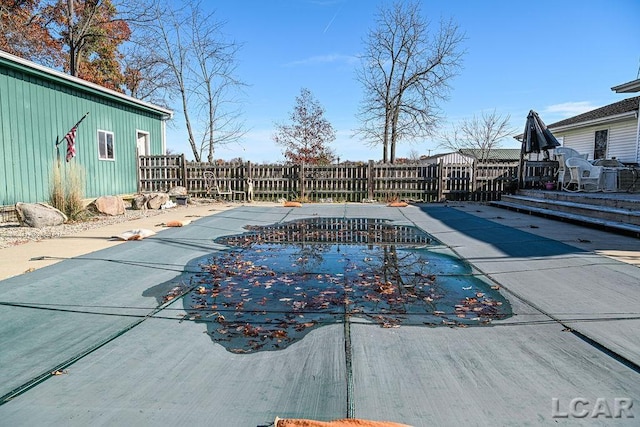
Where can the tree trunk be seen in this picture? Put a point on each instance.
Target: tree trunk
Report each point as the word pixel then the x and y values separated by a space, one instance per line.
pixel 73 67
pixel 192 141
pixel 211 127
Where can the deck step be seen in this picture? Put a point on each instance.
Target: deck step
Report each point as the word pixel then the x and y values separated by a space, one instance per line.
pixel 628 201
pixel 610 225
pixel 580 207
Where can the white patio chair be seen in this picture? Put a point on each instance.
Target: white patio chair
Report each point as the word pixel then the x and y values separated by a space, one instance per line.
pixel 569 152
pixel 584 175
pixel 562 154
pixel 564 176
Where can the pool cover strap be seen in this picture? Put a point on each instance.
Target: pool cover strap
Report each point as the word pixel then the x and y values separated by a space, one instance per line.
pixel 348 422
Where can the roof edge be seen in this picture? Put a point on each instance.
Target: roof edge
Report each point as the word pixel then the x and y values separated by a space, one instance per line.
pixel 594 122
pixel 629 87
pixel 78 81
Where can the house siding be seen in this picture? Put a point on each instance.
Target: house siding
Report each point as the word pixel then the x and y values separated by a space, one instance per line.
pixel 36 110
pixel 455 158
pixel 638 140
pixel 622 143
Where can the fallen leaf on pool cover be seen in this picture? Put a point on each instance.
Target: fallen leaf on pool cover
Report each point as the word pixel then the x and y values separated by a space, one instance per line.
pixel 280 334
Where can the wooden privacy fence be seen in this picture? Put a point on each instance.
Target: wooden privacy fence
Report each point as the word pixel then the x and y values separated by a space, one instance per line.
pixel 353 182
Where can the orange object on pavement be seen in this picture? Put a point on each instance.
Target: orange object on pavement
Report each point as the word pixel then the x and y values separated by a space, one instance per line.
pixel 347 422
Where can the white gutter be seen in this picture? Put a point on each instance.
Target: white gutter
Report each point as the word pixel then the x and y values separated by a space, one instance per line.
pixel 632 86
pixel 638 138
pixel 595 122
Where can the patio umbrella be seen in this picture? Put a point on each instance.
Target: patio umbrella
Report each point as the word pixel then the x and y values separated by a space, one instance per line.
pixel 536 136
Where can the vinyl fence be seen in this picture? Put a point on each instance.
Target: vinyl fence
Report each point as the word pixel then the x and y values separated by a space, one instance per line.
pixel 352 182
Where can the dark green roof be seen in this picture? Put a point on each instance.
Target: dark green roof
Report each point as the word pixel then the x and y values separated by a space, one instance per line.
pixel 498 154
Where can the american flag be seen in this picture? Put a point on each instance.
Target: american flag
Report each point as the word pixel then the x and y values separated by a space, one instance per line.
pixel 71 143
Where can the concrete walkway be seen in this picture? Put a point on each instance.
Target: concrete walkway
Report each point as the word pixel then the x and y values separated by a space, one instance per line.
pixel 128 361
pixel 17 260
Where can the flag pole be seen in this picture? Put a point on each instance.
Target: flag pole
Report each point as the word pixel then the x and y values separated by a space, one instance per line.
pixel 58 141
pixel 80 121
pixel 58 150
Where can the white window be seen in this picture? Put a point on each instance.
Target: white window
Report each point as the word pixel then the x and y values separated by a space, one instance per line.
pixel 105 145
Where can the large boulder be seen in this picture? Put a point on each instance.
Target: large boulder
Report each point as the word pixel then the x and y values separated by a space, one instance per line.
pixel 156 200
pixel 38 215
pixel 109 205
pixel 139 202
pixel 178 191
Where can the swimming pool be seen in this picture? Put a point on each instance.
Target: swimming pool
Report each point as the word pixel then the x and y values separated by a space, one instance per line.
pixel 276 283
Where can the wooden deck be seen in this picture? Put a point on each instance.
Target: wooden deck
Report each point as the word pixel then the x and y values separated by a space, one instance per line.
pixel 617 212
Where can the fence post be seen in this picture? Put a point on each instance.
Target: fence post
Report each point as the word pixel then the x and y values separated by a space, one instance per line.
pixel 301 182
pixel 440 181
pixel 139 172
pixel 370 183
pixel 474 180
pixel 183 165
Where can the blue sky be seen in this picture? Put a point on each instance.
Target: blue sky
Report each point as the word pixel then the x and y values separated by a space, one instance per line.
pixel 557 57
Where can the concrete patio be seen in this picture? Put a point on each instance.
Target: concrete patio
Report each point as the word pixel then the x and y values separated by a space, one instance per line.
pixel 575 334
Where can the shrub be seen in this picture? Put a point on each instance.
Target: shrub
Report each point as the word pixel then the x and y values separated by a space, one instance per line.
pixel 56 194
pixel 67 190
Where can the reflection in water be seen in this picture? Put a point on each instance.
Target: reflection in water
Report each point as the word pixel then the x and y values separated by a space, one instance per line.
pixel 285 279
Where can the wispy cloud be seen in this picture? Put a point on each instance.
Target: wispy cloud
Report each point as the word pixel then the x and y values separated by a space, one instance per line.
pixel 332 19
pixel 324 59
pixel 568 109
pixel 325 2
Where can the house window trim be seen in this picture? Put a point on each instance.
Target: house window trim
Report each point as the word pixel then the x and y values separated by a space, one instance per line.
pixel 113 143
pixel 606 150
pixel 148 140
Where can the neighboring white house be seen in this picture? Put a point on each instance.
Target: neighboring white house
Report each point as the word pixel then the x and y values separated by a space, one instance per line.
pixel 612 131
pixel 468 155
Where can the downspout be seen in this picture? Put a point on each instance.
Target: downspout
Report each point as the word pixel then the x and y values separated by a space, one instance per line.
pixel 164 137
pixel 638 135
pixel 163 145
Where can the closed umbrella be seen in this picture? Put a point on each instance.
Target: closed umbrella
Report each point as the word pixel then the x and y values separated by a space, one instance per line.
pixel 537 137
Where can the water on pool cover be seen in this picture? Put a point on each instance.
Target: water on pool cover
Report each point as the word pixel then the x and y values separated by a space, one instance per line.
pixel 276 283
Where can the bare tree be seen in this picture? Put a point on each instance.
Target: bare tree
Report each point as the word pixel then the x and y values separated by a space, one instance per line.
pixel 146 75
pixel 414 156
pixel 305 139
pixel 169 26
pixel 480 134
pixel 215 86
pixel 405 71
pixel 193 61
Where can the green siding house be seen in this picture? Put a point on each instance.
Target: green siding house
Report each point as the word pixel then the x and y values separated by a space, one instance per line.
pixel 39 106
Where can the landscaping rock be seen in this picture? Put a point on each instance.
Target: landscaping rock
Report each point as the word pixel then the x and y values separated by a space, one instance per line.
pixel 38 215
pixel 178 191
pixel 109 205
pixel 139 202
pixel 157 200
